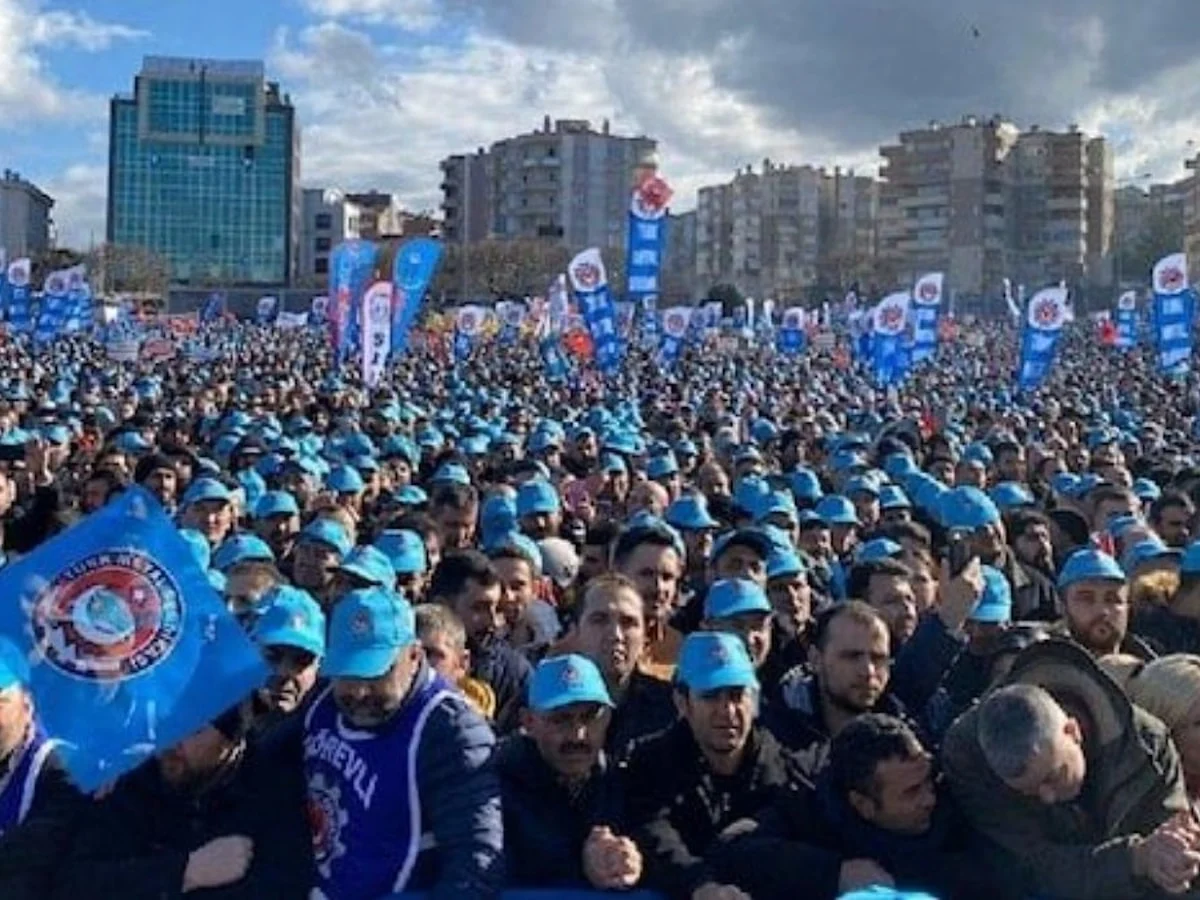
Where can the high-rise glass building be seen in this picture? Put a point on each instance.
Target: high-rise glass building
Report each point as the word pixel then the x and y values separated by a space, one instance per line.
pixel 204 168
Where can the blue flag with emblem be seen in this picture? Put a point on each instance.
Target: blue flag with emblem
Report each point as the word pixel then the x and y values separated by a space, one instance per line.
pixel 129 647
pixel 927 302
pixel 792 337
pixel 52 314
pixel 1174 309
pixel 412 273
pixel 589 280
pixel 350 266
pixel 1127 320
pixel 553 359
pixel 676 325
pixel 889 320
pixel 1044 320
pixel 18 296
pixel 468 325
pixel 646 242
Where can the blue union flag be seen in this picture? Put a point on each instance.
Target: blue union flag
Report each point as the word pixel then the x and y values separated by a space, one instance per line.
pixel 129 647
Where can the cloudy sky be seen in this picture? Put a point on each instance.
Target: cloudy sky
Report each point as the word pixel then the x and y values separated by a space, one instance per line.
pixel 385 88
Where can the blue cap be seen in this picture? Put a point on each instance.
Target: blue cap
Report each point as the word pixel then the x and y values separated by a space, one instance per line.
pixel 750 493
pixel 239 548
pixel 1146 490
pixel 878 892
pixel 563 680
pixel 995 604
pixel 776 503
pixel 57 434
pixel 899 465
pixel 861 484
pixel 497 516
pixel 784 562
pixel 290 617
pixel 523 546
pixel 345 480
pixel 690 513
pixel 662 466
pixel 806 485
pixel 411 495
pixel 14 668
pixel 368 629
pixel 893 497
pixel 537 496
pixel 877 549
pixel 1011 495
pixel 451 473
pixel 837 510
pixel 326 531
pixel 686 447
pixel 978 452
pixel 405 549
pixel 756 538
pixel 371 565
pixel 131 442
pixel 968 508
pixel 204 489
pixel 1191 559
pixel 1144 551
pixel 611 464
pixel 710 661
pixel 734 596
pixel 1089 565
pixel 1066 483
pixel 276 503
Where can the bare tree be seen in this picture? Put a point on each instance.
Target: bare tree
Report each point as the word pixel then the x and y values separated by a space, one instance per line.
pixel 494 269
pixel 131 269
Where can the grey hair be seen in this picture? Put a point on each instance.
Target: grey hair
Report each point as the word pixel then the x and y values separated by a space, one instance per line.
pixel 434 618
pixel 1016 723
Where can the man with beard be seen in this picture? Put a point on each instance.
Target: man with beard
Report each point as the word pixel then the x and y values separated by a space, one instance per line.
pixel 561 801
pixel 1028 564
pixel 380 828
pixel 850 662
pixel 156 473
pixel 468 584
pixel 214 814
pixel 1096 603
pixel 290 631
pixel 539 509
pixel 610 630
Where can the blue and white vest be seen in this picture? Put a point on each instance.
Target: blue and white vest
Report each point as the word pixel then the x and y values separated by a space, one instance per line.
pixel 17 790
pixel 364 805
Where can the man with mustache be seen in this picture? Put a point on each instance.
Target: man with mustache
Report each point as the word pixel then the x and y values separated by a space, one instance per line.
pixel 380 824
pixel 561 802
pixel 291 634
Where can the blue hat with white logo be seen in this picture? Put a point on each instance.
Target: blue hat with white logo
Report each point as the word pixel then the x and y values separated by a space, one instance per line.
pixel 734 596
pixel 405 549
pixel 290 617
pixel 710 661
pixel 565 680
pixel 240 548
pixel 367 631
pixel 1089 565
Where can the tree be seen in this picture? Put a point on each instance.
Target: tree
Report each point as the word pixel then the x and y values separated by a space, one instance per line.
pixel 495 269
pixel 729 296
pixel 1161 235
pixel 129 269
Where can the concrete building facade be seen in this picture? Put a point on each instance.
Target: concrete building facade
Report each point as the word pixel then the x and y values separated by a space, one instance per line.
pixel 26 226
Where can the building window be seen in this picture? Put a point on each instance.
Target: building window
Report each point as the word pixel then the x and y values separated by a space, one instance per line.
pixel 323 244
pixel 323 221
pixel 321 267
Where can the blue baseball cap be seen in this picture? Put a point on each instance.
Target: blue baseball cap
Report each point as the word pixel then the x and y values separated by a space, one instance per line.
pixel 405 549
pixel 1191 559
pixel 497 516
pixel 690 513
pixel 861 484
pixel 837 510
pixel 276 503
pixel 734 596
pixel 411 495
pixel 203 490
pixel 893 497
pixel 612 464
pixel 290 617
pixel 969 508
pixel 1011 495
pixel 240 548
pixel 662 466
pixel 451 473
pixel 1146 490
pixel 710 661
pixel 371 565
pixel 564 680
pixel 877 549
pixel 879 892
pixel 757 539
pixel 366 632
pixel 784 562
pixel 995 604
pixel 1144 551
pixel 326 531
pixel 1089 565
pixel 776 503
pixel 345 480
pixel 806 485
pixel 14 668
pixel 537 496
pixel 899 465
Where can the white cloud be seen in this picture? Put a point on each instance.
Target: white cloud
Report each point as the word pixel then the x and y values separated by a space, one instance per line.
pixel 79 204
pixel 56 28
pixel 411 15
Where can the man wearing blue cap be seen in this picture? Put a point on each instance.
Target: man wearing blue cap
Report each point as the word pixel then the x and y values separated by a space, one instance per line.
pixel 38 805
pixel 712 768
pixel 208 508
pixel 1096 605
pixel 740 607
pixel 562 805
pixel 320 548
pixel 290 630
pixel 378 827
pixel 276 519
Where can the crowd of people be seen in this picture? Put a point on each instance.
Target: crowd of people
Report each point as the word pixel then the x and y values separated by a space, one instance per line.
pixel 745 627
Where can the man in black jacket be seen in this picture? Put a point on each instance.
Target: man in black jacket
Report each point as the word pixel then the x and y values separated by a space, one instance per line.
pixel 562 806
pixel 38 806
pixel 705 772
pixel 213 813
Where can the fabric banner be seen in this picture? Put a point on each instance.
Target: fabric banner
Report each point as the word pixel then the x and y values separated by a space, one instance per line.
pixel 889 357
pixel 318 311
pixel 80 307
pixel 1014 309
pixel 553 358
pixel 288 321
pixel 350 266
pixel 129 648
pixel 1174 307
pixel 1044 322
pixel 675 323
pixel 412 272
pixel 1126 321
pixel 792 335
pixel 927 302
pixel 18 296
pixel 589 280
pixel 266 311
pixel 558 304
pixel 469 323
pixel 377 331
pixel 213 308
pixel 52 313
pixel 646 243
